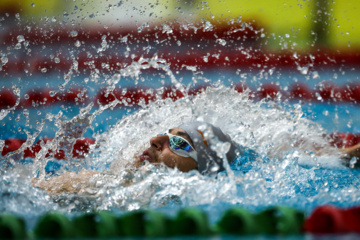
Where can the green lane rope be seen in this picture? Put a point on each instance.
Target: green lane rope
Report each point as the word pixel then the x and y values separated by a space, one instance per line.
pixel 280 220
pixel 96 225
pixel 191 222
pixel 149 223
pixel 237 221
pixel 54 225
pixel 12 227
pixel 144 224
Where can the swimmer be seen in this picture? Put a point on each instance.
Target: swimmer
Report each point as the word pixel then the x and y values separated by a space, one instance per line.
pixel 187 147
pixel 191 146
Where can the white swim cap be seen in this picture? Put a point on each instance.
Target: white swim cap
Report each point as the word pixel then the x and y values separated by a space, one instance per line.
pixel 210 144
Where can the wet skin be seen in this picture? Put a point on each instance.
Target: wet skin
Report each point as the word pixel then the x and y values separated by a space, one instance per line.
pixel 160 152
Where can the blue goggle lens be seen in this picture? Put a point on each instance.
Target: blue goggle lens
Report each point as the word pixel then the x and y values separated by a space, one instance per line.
pixel 180 146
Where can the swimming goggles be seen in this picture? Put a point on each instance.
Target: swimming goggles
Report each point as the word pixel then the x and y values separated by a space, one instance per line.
pixel 181 146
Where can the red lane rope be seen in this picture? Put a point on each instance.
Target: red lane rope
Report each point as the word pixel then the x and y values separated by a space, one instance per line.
pixel 183 45
pixel 333 220
pixel 82 146
pixel 219 58
pixel 324 92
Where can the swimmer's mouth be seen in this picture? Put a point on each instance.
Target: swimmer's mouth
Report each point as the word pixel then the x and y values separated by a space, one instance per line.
pixel 145 156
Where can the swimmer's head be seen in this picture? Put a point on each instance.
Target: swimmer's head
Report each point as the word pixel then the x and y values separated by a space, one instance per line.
pixel 163 149
pixel 212 146
pixel 191 146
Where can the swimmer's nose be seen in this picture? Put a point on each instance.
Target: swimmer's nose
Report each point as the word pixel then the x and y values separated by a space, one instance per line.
pixel 159 142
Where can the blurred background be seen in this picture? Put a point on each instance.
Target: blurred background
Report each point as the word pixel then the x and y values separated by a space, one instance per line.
pixel 298 23
pixel 61 55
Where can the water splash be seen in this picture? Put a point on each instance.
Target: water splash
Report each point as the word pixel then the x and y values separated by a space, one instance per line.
pixel 287 170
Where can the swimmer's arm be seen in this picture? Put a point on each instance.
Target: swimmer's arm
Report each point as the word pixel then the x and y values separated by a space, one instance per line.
pixel 69 182
pixel 353 151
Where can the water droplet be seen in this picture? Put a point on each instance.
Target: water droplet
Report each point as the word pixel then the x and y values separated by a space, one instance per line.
pixel 208 26
pixel 287 35
pixel 33 4
pixel 92 15
pixel 52 93
pixel 178 42
pixel 26 96
pixel 65 14
pixel 73 33
pixel 4 59
pixel 44 70
pixel 303 70
pixel 26 44
pixel 20 38
pixel 318 96
pixel 26 112
pixel 57 60
pixel 221 41
pixel 116 78
pixel 215 168
pixel 315 74
pixel 77 43
pixel 271 71
pixel 167 29
pixel 18 46
pixel 353 161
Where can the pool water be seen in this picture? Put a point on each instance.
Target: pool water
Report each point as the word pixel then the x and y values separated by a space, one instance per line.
pixel 290 160
pixel 284 135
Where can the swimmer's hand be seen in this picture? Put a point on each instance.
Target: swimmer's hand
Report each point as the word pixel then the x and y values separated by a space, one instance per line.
pixel 68 182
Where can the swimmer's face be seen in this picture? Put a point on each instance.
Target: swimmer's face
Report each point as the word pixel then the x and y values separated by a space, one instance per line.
pixel 160 152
